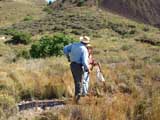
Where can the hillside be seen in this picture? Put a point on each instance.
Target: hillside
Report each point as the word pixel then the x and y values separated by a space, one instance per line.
pixel 147 11
pixel 129 53
pixel 14 11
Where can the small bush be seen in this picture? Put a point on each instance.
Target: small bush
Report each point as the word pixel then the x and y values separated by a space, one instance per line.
pixel 149 40
pixel 157 59
pixel 28 18
pixel 126 47
pixel 48 10
pixel 146 29
pixel 21 38
pixel 122 29
pixel 24 54
pixel 18 37
pixel 3 87
pixel 11 32
pixel 50 46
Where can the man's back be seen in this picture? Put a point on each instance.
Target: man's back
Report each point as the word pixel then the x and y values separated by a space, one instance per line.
pixel 78 53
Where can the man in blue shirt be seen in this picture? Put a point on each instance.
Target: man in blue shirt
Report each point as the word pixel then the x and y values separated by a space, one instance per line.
pixel 77 54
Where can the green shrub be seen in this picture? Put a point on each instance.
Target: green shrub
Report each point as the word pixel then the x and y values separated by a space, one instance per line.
pixel 24 54
pixel 21 38
pixel 50 46
pixel 28 18
pixel 126 47
pixel 146 29
pixel 48 10
pixel 122 29
pixel 3 87
pixel 18 37
pixel 148 40
pixel 156 59
pixel 11 32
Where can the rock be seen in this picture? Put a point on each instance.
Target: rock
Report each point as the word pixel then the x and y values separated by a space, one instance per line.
pixel 38 109
pixel 2 37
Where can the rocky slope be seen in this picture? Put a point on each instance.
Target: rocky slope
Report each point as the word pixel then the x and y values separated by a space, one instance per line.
pixel 147 11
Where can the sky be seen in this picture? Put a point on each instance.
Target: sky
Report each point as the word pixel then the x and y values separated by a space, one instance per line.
pixel 50 0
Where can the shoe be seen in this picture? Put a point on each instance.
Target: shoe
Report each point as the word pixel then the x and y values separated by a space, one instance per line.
pixel 77 98
pixel 87 94
pixel 83 95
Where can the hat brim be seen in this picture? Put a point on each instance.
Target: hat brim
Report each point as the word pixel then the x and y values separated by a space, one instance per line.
pixel 86 42
pixel 83 40
pixel 89 46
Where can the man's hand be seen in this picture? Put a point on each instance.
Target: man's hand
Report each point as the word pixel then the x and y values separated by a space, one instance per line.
pixel 68 58
pixel 87 70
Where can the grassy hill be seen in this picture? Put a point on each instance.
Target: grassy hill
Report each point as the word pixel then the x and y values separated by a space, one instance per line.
pixel 14 11
pixel 146 11
pixel 128 52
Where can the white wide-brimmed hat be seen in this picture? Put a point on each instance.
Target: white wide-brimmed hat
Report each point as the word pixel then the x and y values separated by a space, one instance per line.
pixel 85 39
pixel 89 45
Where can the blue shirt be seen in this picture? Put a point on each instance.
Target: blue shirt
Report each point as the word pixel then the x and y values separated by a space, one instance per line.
pixel 78 53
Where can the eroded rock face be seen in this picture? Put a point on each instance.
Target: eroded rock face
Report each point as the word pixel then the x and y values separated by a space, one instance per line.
pixel 147 11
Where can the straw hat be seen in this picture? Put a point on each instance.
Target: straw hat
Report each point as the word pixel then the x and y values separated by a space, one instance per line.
pixel 89 45
pixel 85 39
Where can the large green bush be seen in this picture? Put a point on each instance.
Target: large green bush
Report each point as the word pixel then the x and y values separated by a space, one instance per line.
pixel 50 46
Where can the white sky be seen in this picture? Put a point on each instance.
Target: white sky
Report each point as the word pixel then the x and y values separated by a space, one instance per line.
pixel 50 0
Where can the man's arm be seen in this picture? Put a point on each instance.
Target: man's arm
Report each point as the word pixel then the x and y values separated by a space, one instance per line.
pixel 85 59
pixel 67 50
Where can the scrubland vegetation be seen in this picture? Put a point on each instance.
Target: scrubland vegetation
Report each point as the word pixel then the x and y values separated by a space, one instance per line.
pixel 129 53
pixel 14 11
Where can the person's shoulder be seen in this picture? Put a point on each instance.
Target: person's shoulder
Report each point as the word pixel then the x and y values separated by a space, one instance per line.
pixel 76 44
pixel 83 47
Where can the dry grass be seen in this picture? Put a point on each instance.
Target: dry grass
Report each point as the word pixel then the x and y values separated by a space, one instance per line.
pixel 131 70
pixel 14 11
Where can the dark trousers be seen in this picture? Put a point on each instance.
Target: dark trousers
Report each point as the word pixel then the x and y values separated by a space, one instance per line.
pixel 77 73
